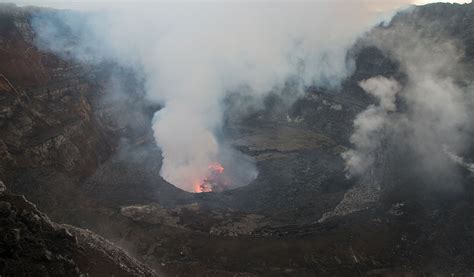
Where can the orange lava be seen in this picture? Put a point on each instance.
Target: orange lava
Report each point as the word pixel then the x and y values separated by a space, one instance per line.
pixel 200 186
pixel 197 186
pixel 206 184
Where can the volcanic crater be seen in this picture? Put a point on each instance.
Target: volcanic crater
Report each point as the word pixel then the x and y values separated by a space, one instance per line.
pixel 68 147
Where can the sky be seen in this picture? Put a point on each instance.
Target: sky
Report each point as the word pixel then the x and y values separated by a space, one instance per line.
pixel 379 5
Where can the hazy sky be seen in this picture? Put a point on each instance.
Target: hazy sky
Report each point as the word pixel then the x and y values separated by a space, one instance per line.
pixel 379 5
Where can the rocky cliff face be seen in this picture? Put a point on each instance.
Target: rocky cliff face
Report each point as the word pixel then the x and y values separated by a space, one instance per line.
pixel 67 144
pixel 31 244
pixel 57 120
pixel 57 125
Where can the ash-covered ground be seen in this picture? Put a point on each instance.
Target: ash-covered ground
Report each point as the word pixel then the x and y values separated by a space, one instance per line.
pixel 67 145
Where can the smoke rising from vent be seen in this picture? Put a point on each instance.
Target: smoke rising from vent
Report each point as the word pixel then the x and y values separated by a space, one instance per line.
pixel 192 55
pixel 431 110
pixel 371 124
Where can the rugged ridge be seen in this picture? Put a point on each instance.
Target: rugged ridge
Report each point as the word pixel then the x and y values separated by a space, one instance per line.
pixel 58 122
pixel 31 244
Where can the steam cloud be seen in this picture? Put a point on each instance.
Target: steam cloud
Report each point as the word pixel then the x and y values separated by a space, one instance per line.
pixel 370 124
pixel 434 116
pixel 192 55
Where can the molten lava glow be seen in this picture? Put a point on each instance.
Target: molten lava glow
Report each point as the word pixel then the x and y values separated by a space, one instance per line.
pixel 210 180
pixel 197 186
pixel 200 186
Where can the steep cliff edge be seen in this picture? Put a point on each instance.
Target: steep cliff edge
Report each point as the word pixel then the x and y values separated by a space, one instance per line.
pixel 32 245
pixel 58 121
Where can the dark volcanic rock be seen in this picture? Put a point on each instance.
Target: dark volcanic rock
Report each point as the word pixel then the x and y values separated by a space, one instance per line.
pixel 58 119
pixel 32 245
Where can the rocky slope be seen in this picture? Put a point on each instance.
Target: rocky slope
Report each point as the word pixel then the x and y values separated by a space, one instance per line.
pixel 32 245
pixel 67 144
pixel 54 129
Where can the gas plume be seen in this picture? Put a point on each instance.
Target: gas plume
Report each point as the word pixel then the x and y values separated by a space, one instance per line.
pixel 192 55
pixel 430 112
pixel 371 124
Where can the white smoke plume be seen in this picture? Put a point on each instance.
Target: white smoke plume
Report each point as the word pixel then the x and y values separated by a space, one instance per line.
pixel 436 97
pixel 370 125
pixel 193 54
pixel 459 160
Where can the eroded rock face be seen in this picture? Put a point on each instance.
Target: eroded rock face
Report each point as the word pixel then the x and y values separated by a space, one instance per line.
pixel 30 244
pixel 58 119
pixel 45 110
